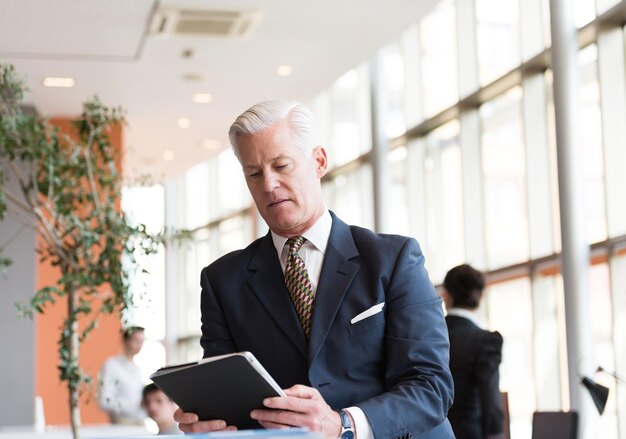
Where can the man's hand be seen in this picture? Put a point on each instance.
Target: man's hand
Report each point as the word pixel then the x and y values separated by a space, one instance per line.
pixel 189 423
pixel 302 407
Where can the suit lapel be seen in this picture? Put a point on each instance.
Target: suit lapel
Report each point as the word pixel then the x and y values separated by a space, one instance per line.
pixel 337 274
pixel 268 283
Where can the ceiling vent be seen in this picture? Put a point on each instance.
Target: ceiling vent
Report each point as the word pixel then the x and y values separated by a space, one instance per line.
pixel 204 23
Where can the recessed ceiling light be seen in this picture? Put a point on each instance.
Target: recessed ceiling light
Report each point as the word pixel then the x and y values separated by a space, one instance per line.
pixel 183 122
pixel 192 77
pixel 284 70
pixel 168 155
pixel 210 144
pixel 50 81
pixel 202 98
pixel 187 53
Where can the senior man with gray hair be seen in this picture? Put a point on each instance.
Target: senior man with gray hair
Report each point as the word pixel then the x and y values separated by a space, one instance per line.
pixel 346 320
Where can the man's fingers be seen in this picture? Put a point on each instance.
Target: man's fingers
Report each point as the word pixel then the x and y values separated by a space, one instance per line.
pixel 282 418
pixel 188 423
pixel 185 418
pixel 300 391
pixel 291 403
pixel 204 426
pixel 302 407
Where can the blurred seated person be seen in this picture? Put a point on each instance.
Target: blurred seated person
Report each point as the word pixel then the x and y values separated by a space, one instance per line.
pixel 160 409
pixel 121 382
pixel 475 356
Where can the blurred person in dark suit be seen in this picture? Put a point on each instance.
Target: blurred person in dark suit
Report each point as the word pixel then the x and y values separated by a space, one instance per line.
pixel 475 356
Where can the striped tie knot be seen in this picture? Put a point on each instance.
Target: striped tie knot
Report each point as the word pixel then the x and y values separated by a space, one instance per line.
pixel 295 243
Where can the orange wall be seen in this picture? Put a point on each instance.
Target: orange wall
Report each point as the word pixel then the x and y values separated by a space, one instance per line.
pixel 103 342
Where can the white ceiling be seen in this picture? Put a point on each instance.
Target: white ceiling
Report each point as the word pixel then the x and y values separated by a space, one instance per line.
pixel 106 46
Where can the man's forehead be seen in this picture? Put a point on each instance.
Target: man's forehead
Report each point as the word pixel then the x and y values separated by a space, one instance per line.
pixel 271 159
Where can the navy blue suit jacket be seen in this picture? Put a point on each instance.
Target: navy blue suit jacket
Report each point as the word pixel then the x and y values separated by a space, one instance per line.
pixel 393 365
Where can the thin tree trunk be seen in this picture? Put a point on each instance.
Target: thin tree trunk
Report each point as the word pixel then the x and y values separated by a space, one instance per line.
pixel 73 348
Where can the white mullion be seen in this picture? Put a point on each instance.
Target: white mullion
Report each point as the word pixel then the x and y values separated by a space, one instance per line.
pixel 416 189
pixel 612 79
pixel 412 68
pixel 467 50
pixel 531 28
pixel 473 197
pixel 539 194
pixel 617 266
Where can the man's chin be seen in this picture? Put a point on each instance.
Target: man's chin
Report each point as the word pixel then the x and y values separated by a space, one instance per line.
pixel 282 225
pixel 281 228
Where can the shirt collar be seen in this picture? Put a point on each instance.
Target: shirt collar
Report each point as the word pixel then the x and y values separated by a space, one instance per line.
pixel 317 235
pixel 465 313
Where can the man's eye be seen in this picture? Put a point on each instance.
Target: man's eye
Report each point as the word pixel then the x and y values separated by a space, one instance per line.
pixel 279 167
pixel 254 174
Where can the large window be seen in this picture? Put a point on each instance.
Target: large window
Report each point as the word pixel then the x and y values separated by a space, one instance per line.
pixel 349 196
pixel 549 353
pixel 399 196
pixel 584 12
pixel 591 145
pixel 144 205
pixel 233 192
pixel 198 204
pixel 509 307
pixel 603 346
pixel 618 297
pixel 504 170
pixel 443 201
pixel 350 117
pixel 393 81
pixel 497 30
pixel 438 58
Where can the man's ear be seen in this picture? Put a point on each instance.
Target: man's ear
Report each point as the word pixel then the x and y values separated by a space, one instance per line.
pixel 321 161
pixel 447 298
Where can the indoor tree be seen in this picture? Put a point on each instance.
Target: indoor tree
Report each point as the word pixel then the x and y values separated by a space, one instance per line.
pixel 69 193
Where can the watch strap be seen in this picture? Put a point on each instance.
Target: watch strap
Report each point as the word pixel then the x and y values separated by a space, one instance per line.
pixel 347 430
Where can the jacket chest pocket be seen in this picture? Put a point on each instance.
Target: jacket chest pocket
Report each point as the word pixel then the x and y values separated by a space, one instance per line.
pixel 366 325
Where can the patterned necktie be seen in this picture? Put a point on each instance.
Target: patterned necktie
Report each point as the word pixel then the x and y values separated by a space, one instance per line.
pixel 299 284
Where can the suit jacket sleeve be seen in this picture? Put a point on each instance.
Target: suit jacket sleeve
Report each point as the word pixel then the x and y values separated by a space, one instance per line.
pixel 216 337
pixel 488 376
pixel 418 382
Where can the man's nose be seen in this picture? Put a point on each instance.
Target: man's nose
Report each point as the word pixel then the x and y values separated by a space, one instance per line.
pixel 270 181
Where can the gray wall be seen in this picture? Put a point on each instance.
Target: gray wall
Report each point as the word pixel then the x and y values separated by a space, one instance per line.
pixel 17 336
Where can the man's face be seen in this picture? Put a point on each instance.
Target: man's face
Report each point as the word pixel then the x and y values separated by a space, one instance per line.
pixel 284 180
pixel 134 343
pixel 159 407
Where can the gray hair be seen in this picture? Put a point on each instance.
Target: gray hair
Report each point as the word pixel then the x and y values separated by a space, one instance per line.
pixel 267 113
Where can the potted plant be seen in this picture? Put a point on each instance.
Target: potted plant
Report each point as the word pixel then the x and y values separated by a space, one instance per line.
pixel 70 194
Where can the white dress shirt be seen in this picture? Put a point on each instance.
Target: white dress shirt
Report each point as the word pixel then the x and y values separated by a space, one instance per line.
pixel 465 313
pixel 312 253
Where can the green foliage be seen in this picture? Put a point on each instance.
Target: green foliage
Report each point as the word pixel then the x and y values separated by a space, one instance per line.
pixel 70 193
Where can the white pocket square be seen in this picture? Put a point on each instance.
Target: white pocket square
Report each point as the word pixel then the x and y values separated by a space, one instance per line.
pixel 368 313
